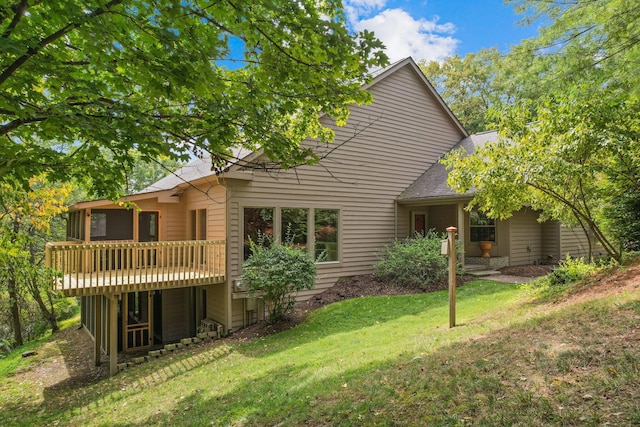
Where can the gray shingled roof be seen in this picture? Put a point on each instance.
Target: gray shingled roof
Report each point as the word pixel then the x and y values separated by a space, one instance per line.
pixel 433 183
pixel 199 168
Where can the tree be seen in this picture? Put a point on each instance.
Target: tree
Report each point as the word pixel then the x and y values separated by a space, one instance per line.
pixel 479 82
pixel 567 164
pixel 467 85
pixel 85 82
pixel 144 173
pixel 25 224
pixel 571 150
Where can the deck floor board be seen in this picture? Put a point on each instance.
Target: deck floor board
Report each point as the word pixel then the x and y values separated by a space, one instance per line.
pixel 137 280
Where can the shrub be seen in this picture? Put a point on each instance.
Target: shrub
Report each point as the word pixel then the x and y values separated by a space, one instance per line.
pixel 571 270
pixel 414 262
pixel 277 271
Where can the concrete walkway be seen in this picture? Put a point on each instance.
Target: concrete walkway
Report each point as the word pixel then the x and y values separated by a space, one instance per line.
pixel 508 279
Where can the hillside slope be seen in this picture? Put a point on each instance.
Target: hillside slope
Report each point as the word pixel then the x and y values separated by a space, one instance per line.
pixel 392 360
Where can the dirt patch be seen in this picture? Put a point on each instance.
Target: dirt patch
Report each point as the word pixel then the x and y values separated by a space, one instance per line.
pixel 65 362
pixel 345 288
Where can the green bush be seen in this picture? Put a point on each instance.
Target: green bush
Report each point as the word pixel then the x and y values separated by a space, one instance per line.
pixel 414 262
pixel 277 271
pixel 571 270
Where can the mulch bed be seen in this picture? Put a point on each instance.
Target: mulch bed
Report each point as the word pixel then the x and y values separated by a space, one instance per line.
pixel 361 286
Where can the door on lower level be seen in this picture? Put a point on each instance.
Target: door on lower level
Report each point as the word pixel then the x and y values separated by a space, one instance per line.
pixel 137 321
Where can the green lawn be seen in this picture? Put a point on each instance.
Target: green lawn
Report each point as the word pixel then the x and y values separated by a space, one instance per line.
pixel 382 361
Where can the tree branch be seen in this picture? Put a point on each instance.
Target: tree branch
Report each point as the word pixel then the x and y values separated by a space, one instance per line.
pixel 18 13
pixel 8 72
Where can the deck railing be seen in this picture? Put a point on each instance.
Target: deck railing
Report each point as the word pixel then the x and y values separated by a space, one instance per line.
pixel 125 266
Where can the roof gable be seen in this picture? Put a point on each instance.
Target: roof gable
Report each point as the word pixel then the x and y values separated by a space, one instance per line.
pixel 433 183
pixel 201 168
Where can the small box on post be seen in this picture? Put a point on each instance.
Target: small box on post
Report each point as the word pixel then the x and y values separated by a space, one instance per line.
pixel 445 247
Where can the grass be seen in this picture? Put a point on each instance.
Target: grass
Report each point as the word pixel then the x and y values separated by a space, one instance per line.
pixel 14 360
pixel 381 361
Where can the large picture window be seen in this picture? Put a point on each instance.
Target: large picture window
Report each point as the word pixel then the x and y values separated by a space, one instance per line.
pixel 321 236
pixel 326 234
pixel 482 228
pixel 294 226
pixel 257 221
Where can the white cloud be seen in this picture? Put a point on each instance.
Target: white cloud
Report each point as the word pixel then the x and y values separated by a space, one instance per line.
pixel 402 34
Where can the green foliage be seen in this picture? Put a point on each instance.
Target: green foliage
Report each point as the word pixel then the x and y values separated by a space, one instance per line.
pixel 276 272
pixel 415 262
pixel 622 217
pixel 27 220
pixel 85 83
pixel 567 106
pixel 572 270
pixel 145 172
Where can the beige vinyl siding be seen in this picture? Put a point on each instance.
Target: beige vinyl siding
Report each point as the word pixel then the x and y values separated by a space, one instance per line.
pixel 404 220
pixel 216 303
pixel 170 228
pixel 177 314
pixel 574 242
pixel 526 238
pixel 442 216
pixel 211 197
pixel 502 245
pixel 407 132
pixel 550 242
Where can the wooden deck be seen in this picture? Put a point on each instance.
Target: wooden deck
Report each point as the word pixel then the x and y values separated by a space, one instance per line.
pixel 118 267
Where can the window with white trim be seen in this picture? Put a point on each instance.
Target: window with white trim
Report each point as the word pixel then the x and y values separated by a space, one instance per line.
pixel 482 228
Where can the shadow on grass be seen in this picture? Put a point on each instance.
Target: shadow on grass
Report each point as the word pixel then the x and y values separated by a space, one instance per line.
pixel 66 400
pixel 362 313
pixel 565 368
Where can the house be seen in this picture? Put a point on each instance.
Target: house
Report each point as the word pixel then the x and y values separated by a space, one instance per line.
pixel 160 271
pixel 520 240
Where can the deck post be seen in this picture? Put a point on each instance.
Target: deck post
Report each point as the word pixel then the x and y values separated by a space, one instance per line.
pixel 113 334
pixel 97 335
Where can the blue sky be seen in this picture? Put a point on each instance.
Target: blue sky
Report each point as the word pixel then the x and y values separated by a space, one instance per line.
pixel 436 29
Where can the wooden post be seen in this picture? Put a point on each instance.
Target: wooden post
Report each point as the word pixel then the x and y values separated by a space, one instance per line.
pixel 113 335
pixel 461 231
pixel 451 240
pixel 97 335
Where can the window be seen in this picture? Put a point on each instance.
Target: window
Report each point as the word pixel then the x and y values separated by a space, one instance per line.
pixel 111 224
pixel 98 224
pixel 257 221
pixel 326 234
pixel 199 224
pixel 320 236
pixel 482 227
pixel 294 226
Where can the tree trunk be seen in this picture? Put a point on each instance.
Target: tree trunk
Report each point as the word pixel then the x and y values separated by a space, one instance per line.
pixel 48 315
pixel 12 288
pixel 34 290
pixel 15 310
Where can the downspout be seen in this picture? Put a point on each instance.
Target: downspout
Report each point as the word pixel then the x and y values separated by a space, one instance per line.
pixel 227 258
pixel 395 219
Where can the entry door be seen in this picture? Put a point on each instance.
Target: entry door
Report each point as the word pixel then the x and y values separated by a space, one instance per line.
pixel 148 227
pixel 418 223
pixel 137 321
